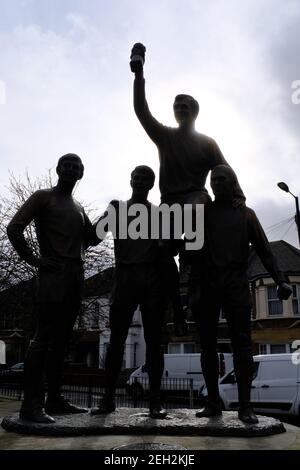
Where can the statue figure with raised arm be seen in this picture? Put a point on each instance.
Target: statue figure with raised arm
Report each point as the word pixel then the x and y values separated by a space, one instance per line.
pixel 186 157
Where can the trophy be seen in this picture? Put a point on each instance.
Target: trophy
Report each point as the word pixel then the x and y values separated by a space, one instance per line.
pixel 137 58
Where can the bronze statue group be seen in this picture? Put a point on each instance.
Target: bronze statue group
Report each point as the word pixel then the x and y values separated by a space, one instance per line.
pixel 145 270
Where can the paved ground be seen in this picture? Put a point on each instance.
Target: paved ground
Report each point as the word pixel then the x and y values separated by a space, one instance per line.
pixel 10 441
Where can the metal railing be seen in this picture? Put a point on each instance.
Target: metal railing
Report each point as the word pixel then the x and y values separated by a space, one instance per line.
pixel 175 393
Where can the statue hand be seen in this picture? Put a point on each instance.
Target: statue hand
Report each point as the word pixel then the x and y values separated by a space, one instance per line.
pixel 138 49
pixel 137 58
pixel 284 291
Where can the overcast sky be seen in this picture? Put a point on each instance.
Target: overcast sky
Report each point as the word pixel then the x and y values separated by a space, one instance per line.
pixel 66 86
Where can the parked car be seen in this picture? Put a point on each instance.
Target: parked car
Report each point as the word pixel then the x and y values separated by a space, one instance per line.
pixel 14 373
pixel 180 372
pixel 275 386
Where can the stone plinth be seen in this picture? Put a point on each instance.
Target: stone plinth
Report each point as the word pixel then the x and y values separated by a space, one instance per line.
pixel 136 421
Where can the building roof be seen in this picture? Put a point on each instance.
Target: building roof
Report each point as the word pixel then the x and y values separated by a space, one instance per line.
pixel 99 284
pixel 288 259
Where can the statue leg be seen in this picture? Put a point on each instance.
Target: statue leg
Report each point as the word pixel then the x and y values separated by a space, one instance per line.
pixel 64 315
pixel 171 278
pixel 153 318
pixel 207 322
pixel 207 316
pixel 124 301
pixel 120 321
pixel 34 369
pixel 190 261
pixel 176 246
pixel 120 317
pixel 239 323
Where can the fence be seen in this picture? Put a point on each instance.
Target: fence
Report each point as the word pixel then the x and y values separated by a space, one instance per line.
pixel 175 393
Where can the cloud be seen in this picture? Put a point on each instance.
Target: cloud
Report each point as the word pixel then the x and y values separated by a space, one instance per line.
pixel 69 88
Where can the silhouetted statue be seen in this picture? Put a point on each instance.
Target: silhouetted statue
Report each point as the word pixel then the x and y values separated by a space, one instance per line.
pixel 224 284
pixel 185 156
pixel 137 282
pixel 63 232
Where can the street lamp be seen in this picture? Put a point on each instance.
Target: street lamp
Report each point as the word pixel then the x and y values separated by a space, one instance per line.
pixel 285 188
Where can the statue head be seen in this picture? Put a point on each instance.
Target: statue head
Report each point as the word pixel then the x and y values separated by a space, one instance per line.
pixel 70 168
pixel 142 179
pixel 223 181
pixel 186 109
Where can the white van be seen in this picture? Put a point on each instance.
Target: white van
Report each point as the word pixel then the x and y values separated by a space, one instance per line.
pixel 275 386
pixel 182 372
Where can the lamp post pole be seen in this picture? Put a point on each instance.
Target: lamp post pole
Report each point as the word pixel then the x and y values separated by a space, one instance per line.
pixel 285 188
pixel 297 217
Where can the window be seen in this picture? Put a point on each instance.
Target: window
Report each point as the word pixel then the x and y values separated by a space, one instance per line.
pixel 181 348
pixel 174 348
pixel 188 348
pixel 105 348
pixel 262 349
pixel 222 315
pixel 274 348
pixel 277 348
pixel 274 304
pixel 229 378
pixel 2 352
pixel 295 300
pixel 255 370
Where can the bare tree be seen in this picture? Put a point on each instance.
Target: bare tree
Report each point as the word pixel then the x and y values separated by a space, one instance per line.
pixel 12 269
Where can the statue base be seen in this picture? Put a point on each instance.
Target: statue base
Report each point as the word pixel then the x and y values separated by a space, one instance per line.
pixel 136 421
